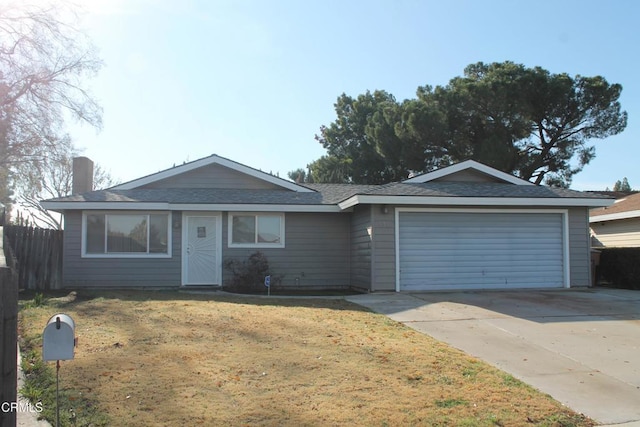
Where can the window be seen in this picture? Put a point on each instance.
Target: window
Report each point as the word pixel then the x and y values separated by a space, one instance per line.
pixel 126 234
pixel 256 230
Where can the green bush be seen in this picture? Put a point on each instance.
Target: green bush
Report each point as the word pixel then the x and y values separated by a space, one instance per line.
pixel 39 300
pixel 248 276
pixel 619 268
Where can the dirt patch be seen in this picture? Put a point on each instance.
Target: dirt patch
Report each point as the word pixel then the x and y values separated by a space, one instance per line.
pixel 160 358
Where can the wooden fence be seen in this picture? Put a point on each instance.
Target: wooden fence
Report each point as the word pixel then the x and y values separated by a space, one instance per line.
pixel 8 333
pixel 30 258
pixel 38 254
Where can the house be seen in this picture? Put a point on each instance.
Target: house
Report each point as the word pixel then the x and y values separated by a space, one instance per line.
pixel 617 225
pixel 466 226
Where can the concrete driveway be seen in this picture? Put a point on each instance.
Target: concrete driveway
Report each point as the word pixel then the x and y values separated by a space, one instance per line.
pixel 580 346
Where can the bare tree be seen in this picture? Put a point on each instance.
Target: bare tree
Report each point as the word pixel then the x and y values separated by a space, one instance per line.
pixel 45 177
pixel 51 176
pixel 44 63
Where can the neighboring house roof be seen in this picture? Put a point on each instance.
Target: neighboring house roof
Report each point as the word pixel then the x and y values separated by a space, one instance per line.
pixel 614 194
pixel 624 208
pixel 444 187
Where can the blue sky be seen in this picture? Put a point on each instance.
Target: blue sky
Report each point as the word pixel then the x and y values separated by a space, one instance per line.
pixel 253 81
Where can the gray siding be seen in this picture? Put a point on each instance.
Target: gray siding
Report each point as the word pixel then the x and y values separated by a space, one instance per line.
pixel 214 176
pixel 468 175
pixel 383 257
pixel 316 252
pixel 116 272
pixel 579 247
pixel 321 250
pixel 361 247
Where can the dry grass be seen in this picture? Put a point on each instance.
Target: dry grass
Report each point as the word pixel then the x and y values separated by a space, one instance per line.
pixel 177 359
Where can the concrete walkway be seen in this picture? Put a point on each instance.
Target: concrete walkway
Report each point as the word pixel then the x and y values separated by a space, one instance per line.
pixel 582 347
pixel 26 418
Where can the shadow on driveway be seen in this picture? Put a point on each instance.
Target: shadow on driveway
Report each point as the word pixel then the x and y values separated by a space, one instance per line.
pixel 580 346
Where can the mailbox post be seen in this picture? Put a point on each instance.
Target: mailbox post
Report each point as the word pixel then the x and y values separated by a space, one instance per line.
pixel 59 343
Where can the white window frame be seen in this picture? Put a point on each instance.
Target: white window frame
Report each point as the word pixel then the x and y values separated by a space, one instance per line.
pixel 127 254
pixel 256 244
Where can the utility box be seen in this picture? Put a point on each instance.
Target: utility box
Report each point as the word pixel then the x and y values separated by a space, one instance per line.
pixel 58 338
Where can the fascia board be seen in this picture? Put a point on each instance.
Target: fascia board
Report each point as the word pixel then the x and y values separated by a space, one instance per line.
pixel 468 164
pixel 350 202
pixel 615 216
pixel 257 208
pixel 472 201
pixel 62 206
pixel 214 159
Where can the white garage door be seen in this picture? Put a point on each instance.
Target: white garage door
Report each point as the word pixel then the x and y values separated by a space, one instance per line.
pixel 480 250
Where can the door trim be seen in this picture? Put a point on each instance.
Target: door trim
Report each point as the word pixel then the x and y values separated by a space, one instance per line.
pixel 183 251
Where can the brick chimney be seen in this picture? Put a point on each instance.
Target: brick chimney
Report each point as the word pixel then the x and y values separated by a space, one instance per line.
pixel 82 175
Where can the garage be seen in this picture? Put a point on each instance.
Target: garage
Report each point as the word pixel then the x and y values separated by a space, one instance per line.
pixel 480 249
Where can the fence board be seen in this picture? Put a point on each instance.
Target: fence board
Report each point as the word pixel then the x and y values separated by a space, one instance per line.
pixel 8 336
pixel 38 253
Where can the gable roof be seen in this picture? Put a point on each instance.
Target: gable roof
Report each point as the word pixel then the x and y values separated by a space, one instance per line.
pixel 206 161
pixel 327 197
pixel 624 208
pixel 467 165
pixel 426 190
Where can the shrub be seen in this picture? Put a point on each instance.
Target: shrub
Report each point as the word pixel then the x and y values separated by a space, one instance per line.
pixel 620 268
pixel 248 276
pixel 39 300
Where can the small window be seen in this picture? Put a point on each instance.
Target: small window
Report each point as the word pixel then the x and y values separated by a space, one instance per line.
pixel 126 234
pixel 256 230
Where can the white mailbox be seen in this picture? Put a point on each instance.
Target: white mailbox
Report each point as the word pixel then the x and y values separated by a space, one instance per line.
pixel 58 338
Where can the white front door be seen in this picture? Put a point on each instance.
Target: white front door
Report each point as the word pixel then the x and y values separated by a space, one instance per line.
pixel 201 249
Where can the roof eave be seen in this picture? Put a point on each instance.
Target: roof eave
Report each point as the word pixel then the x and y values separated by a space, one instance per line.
pixel 164 206
pixel 614 216
pixel 474 201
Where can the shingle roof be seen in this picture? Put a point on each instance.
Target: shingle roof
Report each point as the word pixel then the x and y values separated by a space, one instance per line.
pixel 626 204
pixel 341 192
pixel 201 196
pixel 325 194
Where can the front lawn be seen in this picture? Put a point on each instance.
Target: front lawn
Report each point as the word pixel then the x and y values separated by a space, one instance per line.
pixel 169 358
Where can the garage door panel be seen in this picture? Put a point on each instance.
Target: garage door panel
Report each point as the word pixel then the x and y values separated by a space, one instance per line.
pixel 465 264
pixel 475 250
pixel 488 281
pixel 439 248
pixel 477 269
pixel 462 250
